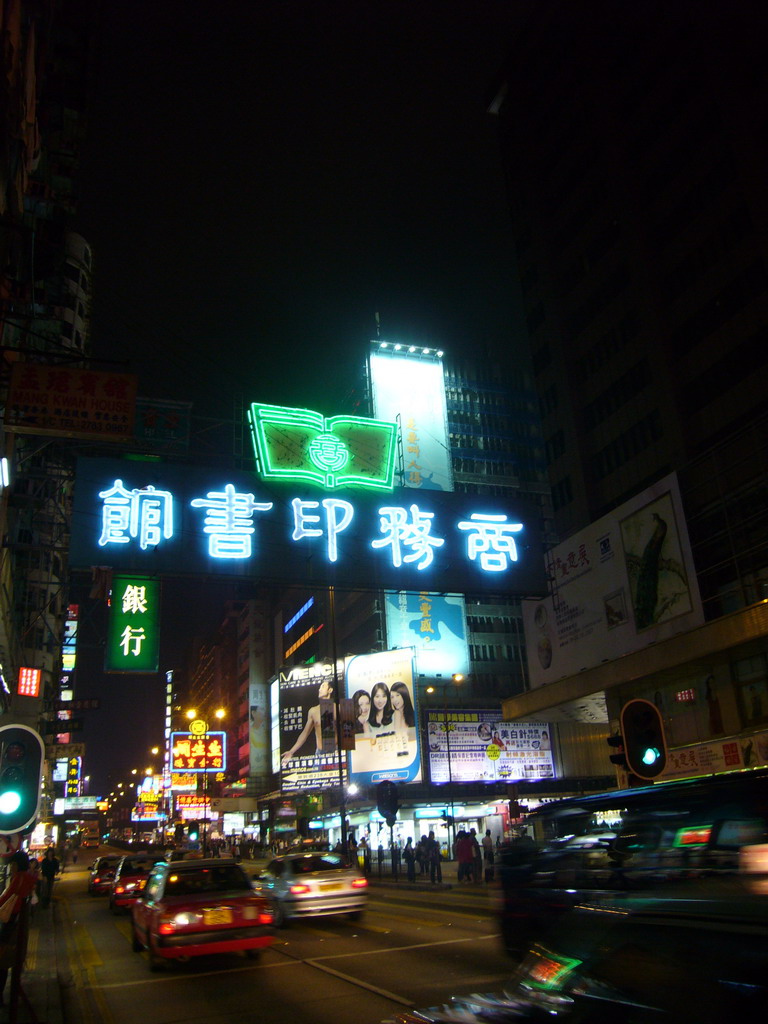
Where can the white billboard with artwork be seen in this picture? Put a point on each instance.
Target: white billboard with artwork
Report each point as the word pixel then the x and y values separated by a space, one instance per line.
pixel 625 582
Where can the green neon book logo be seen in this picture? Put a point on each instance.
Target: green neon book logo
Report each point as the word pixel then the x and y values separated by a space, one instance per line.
pixel 330 451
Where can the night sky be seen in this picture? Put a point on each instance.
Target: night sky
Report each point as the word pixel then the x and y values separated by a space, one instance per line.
pixel 260 180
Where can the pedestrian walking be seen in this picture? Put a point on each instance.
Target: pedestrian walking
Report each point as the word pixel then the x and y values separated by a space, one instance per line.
pixel 433 853
pixel 488 855
pixel 409 856
pixel 477 857
pixel 465 855
pixel 49 869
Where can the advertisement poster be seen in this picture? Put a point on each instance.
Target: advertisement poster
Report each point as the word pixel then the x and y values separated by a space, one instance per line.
pixel 434 625
pixel 308 749
pixel 258 728
pixel 477 747
pixel 386 734
pixel 621 584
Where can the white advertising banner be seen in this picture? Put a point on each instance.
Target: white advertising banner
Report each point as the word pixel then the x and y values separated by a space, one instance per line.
pixel 624 582
pixel 411 392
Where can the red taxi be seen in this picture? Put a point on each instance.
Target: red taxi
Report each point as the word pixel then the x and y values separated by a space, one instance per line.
pixel 130 877
pixel 198 907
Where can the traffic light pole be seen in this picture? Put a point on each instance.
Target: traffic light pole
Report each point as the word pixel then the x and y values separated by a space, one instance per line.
pixel 337 709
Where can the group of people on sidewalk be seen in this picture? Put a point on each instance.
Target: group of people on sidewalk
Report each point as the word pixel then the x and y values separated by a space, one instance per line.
pixel 475 859
pixel 426 855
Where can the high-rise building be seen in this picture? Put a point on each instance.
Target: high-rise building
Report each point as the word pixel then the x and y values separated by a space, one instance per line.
pixel 634 150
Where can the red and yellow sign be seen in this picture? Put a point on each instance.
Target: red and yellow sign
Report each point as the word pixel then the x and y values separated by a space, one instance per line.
pixel 198 753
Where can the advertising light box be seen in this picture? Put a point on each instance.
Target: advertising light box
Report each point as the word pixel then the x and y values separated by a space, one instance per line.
pixel 483 749
pixel 176 519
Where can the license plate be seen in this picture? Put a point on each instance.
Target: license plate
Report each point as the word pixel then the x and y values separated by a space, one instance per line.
pixel 219 916
pixel 332 887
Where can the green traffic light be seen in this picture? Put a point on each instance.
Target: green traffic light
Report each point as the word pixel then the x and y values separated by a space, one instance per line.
pixel 651 755
pixel 9 802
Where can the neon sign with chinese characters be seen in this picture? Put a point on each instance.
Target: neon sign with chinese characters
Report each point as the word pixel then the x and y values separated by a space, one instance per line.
pixel 133 640
pixel 184 519
pixel 207 753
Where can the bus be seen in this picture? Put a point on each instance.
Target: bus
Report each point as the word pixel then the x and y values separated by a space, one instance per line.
pixel 90 837
pixel 690 839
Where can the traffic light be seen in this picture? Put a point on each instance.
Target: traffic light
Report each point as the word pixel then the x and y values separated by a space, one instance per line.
pixel 645 747
pixel 21 771
pixel 193 835
pixel 386 801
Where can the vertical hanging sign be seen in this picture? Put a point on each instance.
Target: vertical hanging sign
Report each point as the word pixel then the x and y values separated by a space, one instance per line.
pixel 133 637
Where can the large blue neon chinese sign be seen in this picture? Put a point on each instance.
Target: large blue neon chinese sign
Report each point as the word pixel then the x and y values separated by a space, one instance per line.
pixel 183 520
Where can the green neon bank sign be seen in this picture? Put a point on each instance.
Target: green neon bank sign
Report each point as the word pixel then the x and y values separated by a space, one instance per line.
pixel 133 634
pixel 329 451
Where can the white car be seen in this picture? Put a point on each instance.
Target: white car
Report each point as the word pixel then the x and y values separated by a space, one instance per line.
pixel 312 884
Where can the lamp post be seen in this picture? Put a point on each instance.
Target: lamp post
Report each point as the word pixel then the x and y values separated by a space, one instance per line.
pixel 457 678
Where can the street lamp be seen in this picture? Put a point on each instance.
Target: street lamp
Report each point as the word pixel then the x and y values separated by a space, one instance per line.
pixel 457 678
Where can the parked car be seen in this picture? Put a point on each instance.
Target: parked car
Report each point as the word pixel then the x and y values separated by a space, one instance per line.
pixel 197 907
pixel 130 877
pixel 312 884
pixel 102 873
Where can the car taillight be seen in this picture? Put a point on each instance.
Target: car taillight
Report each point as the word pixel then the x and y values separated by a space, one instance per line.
pixel 167 927
pixel 359 883
pixel 97 879
pixel 265 917
pixel 298 888
pixel 119 888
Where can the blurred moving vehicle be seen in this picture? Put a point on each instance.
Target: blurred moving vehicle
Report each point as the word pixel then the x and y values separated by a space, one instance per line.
pixel 102 874
pixel 130 878
pixel 682 836
pixel 198 907
pixel 634 961
pixel 90 835
pixel 312 884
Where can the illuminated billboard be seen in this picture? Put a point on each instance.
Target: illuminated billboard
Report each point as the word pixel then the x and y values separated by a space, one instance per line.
pixel 435 625
pixel 411 391
pixel 165 518
pixel 624 582
pixel 307 737
pixel 385 717
pixel 483 749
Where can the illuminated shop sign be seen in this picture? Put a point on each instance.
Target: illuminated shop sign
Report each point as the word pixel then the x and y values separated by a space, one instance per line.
pixel 29 682
pixel 335 451
pixel 182 520
pixel 198 753
pixel 133 637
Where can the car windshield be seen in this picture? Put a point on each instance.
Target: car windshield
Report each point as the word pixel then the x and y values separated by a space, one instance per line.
pixel 228 878
pixel 139 866
pixel 319 862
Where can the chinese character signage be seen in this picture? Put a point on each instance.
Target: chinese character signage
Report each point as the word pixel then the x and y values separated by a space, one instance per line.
pixel 133 637
pixel 167 518
pixel 434 625
pixel 386 745
pixel 70 402
pixel 206 753
pixel 483 749
pixel 624 582
pixel 29 682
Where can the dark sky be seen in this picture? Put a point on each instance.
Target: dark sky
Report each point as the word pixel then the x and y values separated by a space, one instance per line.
pixel 260 179
pixel 263 177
